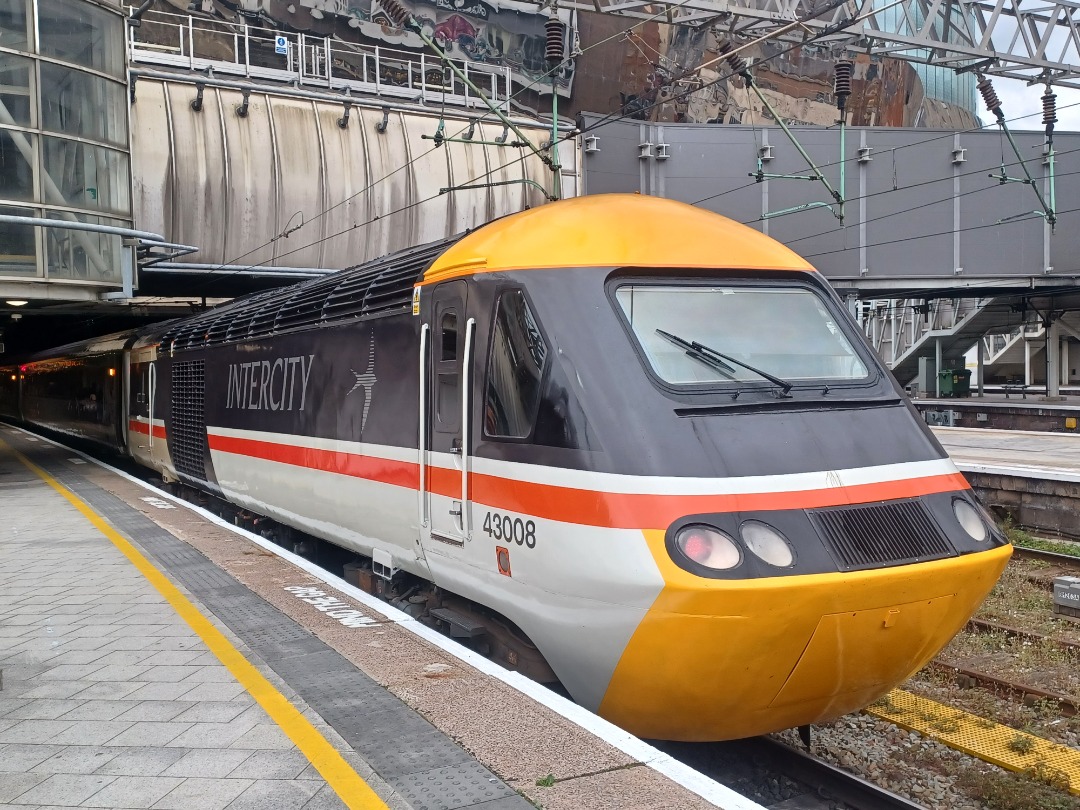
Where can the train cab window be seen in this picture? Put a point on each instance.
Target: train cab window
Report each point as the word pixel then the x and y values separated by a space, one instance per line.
pixel 515 370
pixel 448 374
pixel 704 334
pixel 449 332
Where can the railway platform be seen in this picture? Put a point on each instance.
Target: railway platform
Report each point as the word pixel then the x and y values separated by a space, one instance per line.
pixel 152 656
pixel 1005 411
pixel 1031 475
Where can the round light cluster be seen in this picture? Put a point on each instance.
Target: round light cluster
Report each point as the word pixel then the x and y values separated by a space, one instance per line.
pixel 712 548
pixel 970 520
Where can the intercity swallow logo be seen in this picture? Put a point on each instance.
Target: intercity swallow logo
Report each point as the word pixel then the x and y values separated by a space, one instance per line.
pixel 367 382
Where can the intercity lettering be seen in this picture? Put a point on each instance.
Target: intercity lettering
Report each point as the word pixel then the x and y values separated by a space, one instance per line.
pixel 270 385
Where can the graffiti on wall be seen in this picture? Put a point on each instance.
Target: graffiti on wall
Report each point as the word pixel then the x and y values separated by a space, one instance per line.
pixel 496 33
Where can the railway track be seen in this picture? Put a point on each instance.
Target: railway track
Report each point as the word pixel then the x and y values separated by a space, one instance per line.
pixel 1064 560
pixel 774 773
pixel 829 783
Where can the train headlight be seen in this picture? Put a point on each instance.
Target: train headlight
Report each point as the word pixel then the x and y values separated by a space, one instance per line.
pixel 970 520
pixel 709 547
pixel 767 543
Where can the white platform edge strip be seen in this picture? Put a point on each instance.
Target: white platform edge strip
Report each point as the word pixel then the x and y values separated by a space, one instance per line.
pixel 678 772
pixel 1042 473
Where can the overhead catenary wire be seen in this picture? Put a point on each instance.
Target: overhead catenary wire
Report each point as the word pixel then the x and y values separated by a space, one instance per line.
pixel 949 232
pixel 524 89
pixel 924 204
pixel 894 149
pixel 538 80
pixel 732 52
pixel 424 154
pixel 920 206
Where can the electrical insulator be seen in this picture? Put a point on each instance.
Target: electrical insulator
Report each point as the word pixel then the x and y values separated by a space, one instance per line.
pixel 554 51
pixel 736 62
pixel 842 82
pixel 1049 102
pixel 397 13
pixel 986 87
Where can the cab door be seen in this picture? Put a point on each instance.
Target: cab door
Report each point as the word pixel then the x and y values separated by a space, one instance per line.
pixel 142 393
pixel 446 429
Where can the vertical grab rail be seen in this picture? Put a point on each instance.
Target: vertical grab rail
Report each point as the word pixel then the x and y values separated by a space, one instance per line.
pixel 153 388
pixel 466 382
pixel 422 443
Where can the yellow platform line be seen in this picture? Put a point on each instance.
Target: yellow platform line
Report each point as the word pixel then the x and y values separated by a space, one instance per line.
pixel 349 786
pixel 979 737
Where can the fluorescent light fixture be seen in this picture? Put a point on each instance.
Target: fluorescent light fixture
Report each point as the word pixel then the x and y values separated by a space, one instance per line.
pixel 16 303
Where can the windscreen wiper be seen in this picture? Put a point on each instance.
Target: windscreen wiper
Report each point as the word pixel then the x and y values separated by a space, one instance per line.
pixel 714 363
pixel 703 352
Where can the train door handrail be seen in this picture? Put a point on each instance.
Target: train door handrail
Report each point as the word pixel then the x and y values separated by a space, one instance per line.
pixel 466 382
pixel 422 443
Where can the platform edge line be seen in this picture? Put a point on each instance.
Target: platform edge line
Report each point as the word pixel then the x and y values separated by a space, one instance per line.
pixel 678 772
pixel 350 787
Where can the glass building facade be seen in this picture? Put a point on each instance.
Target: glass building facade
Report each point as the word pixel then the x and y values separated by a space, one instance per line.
pixel 939 83
pixel 64 139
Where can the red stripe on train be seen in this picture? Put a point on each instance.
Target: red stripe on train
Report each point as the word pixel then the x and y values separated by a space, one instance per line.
pixel 614 510
pixel 144 428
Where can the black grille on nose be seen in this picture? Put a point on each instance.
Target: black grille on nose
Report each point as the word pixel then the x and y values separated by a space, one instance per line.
pixel 869 535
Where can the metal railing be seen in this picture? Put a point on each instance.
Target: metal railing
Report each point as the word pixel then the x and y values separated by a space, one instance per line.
pixel 197 43
pixel 893 327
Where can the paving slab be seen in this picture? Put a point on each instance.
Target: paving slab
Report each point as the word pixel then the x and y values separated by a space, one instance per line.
pixel 173 726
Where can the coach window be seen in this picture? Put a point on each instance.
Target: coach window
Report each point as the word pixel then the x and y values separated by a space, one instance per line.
pixel 448 373
pixel 515 370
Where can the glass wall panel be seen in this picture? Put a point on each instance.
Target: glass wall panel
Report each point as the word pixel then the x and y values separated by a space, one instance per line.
pixel 17 165
pixel 18 245
pixel 13 24
pixel 15 98
pixel 81 104
pixel 80 32
pixel 80 255
pixel 86 176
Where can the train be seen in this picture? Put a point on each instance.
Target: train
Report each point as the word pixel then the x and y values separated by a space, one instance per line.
pixel 617 442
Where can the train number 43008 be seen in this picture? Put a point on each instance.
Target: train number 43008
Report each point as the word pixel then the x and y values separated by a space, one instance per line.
pixel 510 529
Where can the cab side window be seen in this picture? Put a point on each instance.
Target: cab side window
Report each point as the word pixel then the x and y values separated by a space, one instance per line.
pixel 448 374
pixel 515 370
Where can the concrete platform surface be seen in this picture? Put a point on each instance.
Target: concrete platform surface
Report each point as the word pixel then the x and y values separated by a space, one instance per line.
pixel 1029 454
pixel 233 690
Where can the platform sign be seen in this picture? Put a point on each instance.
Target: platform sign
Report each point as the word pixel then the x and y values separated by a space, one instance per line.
pixel 281 45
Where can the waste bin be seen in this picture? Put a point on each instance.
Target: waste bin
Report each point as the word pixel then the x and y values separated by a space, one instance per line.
pixel 961 382
pixel 954 382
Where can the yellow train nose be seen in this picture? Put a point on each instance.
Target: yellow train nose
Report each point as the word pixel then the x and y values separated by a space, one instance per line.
pixel 744 657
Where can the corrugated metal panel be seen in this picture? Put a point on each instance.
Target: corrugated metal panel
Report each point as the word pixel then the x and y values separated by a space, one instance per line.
pixel 236 185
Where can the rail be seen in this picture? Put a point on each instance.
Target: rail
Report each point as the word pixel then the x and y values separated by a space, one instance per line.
pixel 1064 560
pixel 254 52
pixel 829 781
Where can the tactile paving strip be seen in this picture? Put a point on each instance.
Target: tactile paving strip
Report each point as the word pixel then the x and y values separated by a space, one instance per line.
pixel 979 737
pixel 427 768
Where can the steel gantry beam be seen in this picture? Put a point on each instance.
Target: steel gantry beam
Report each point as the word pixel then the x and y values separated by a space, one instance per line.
pixel 1020 39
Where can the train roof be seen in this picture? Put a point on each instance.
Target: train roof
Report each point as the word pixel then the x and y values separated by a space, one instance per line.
pixel 114 342
pixel 603 230
pixel 613 230
pixel 378 287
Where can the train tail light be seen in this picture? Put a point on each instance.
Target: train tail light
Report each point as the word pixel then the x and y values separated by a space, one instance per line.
pixel 767 543
pixel 706 546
